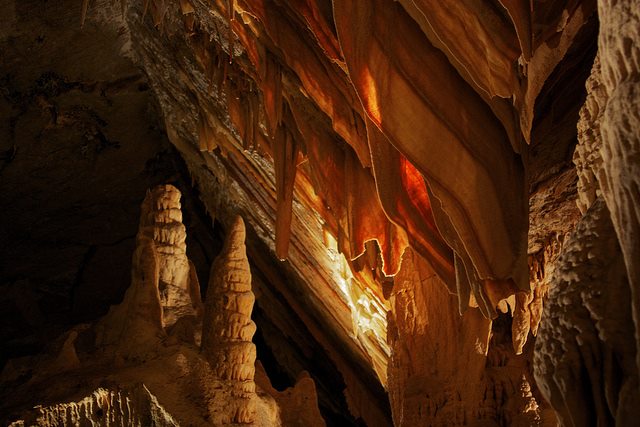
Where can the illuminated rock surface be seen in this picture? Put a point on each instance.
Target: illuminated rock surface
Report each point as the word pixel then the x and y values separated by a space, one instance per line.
pixel 419 184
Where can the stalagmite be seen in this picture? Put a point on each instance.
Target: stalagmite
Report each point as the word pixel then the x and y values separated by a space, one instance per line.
pixel 164 287
pixel 161 222
pixel 228 328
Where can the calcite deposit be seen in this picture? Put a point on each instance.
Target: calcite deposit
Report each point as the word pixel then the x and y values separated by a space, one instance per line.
pixel 136 368
pixel 227 328
pixel 415 212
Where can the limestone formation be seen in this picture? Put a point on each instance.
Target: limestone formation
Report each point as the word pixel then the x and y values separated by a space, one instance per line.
pixel 585 354
pixel 163 288
pixel 587 157
pixel 424 357
pixel 432 345
pixel 620 129
pixel 227 328
pixel 527 307
pixel 161 222
pixel 394 93
pixel 131 407
pixel 137 370
pixel 408 157
pixel 298 404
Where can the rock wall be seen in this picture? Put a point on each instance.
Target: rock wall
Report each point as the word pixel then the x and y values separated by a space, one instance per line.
pixel 620 130
pixel 585 358
pixel 585 353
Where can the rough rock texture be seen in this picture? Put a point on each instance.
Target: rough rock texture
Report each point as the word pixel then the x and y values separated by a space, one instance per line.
pixel 160 271
pixel 422 352
pixel 161 222
pixel 587 157
pixel 136 407
pixel 585 353
pixel 484 382
pixel 620 129
pixel 227 328
pixel 346 134
pixel 298 404
pixel 137 372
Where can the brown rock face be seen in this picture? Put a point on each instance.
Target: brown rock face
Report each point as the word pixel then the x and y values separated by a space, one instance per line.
pixel 431 211
pixel 585 353
pixel 620 130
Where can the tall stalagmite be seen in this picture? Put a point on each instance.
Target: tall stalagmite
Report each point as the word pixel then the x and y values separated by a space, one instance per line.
pixel 227 328
pixel 164 287
pixel 161 222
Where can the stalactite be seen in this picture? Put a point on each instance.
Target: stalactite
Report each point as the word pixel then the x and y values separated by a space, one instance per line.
pixel 228 329
pixel 489 223
pixel 403 196
pixel 83 16
pixel 285 156
pixel 527 307
pixel 206 135
pixel 188 14
pixel 271 86
pixel 520 13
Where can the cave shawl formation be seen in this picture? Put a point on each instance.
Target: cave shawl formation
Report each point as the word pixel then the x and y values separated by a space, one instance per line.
pixel 414 164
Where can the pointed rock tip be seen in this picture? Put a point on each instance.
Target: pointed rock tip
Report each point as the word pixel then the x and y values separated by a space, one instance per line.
pixel 237 232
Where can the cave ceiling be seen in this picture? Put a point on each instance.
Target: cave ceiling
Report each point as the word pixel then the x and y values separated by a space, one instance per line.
pixel 345 133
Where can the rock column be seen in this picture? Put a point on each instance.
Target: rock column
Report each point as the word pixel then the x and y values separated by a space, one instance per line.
pixel 227 329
